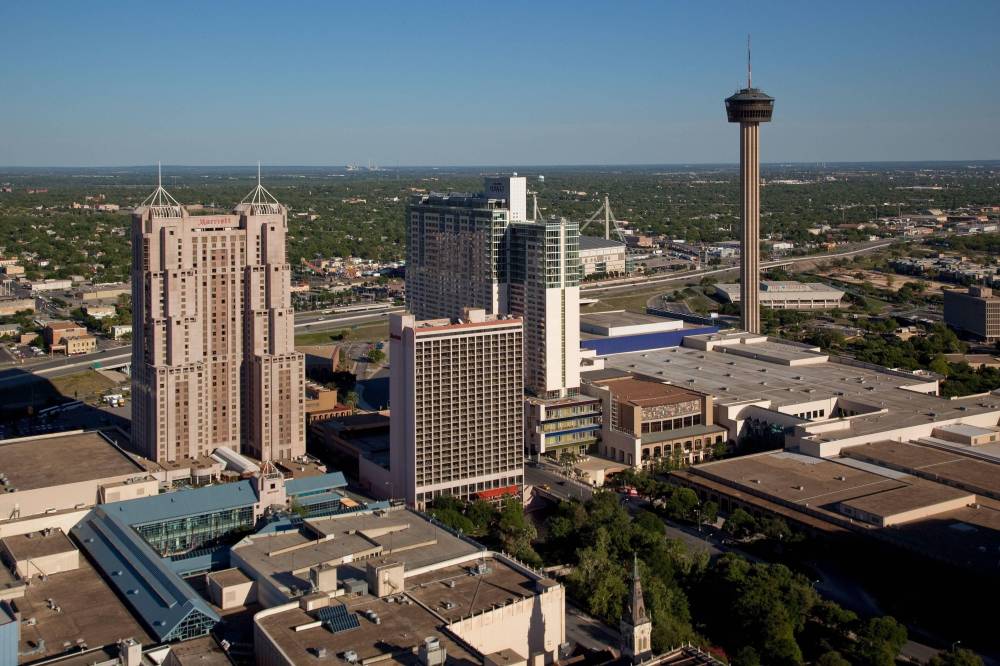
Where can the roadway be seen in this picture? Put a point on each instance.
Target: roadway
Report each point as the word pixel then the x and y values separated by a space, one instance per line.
pixel 633 283
pixel 13 373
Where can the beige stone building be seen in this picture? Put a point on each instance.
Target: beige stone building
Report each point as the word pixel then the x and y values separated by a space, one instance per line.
pixel 214 362
pixel 10 306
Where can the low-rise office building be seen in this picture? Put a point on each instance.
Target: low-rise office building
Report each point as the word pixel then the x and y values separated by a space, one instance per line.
pixel 42 286
pixel 119 331
pixel 321 404
pixel 788 295
pixel 81 344
pixel 11 306
pixel 103 292
pixel 974 311
pixel 100 311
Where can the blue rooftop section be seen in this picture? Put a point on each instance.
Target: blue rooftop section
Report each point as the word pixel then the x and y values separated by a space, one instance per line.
pixel 184 503
pixel 644 341
pixel 149 584
pixel 202 559
pixel 167 605
pixel 310 484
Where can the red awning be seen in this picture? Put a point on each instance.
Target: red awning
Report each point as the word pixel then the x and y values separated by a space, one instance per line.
pixel 496 493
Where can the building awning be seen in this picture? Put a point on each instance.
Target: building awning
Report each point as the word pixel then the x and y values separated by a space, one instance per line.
pixel 496 493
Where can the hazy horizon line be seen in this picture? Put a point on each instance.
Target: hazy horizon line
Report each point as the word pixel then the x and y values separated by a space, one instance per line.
pixel 363 168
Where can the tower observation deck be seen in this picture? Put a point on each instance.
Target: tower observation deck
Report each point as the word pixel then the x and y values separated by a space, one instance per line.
pixel 750 107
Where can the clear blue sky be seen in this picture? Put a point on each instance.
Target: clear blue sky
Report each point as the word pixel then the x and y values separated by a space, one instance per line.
pixel 500 83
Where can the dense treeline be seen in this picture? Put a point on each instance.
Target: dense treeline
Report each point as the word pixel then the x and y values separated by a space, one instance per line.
pixel 361 214
pixel 748 612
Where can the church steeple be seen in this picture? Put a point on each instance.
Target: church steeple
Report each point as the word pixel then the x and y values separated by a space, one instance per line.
pixel 636 628
pixel 636 606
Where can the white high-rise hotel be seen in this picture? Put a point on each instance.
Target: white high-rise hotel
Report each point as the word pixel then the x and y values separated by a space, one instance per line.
pixel 457 397
pixel 213 353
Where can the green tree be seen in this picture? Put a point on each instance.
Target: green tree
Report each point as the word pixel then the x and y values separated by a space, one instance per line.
pixel 956 657
pixel 515 533
pixel 940 365
pixel 709 513
pixel 351 399
pixel 832 658
pixel 481 513
pixel 740 524
pixel 880 641
pixel 376 355
pixel 746 656
pixel 599 579
pixel 682 504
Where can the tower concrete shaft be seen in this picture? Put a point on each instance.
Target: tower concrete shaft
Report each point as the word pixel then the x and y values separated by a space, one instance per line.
pixel 750 107
pixel 750 217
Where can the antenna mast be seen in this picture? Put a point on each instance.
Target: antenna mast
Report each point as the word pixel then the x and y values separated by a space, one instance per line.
pixel 749 70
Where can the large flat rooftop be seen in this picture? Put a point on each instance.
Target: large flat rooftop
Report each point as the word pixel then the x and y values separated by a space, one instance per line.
pixel 34 545
pixel 454 593
pixel 76 594
pixel 402 628
pixel 961 471
pixel 936 519
pixel 799 480
pixel 740 369
pixel 54 460
pixel 644 392
pixel 286 557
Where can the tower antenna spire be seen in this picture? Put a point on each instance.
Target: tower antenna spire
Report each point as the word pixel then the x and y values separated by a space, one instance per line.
pixel 749 69
pixel 159 173
pixel 258 173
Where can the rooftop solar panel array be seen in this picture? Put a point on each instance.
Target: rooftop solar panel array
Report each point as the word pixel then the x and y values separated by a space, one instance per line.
pixel 337 618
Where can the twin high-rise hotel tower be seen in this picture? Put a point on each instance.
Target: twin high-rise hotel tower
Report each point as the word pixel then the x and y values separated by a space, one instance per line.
pixel 213 355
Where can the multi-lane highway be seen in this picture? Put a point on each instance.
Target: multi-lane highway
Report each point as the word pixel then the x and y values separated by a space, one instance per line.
pixel 626 284
pixel 12 373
